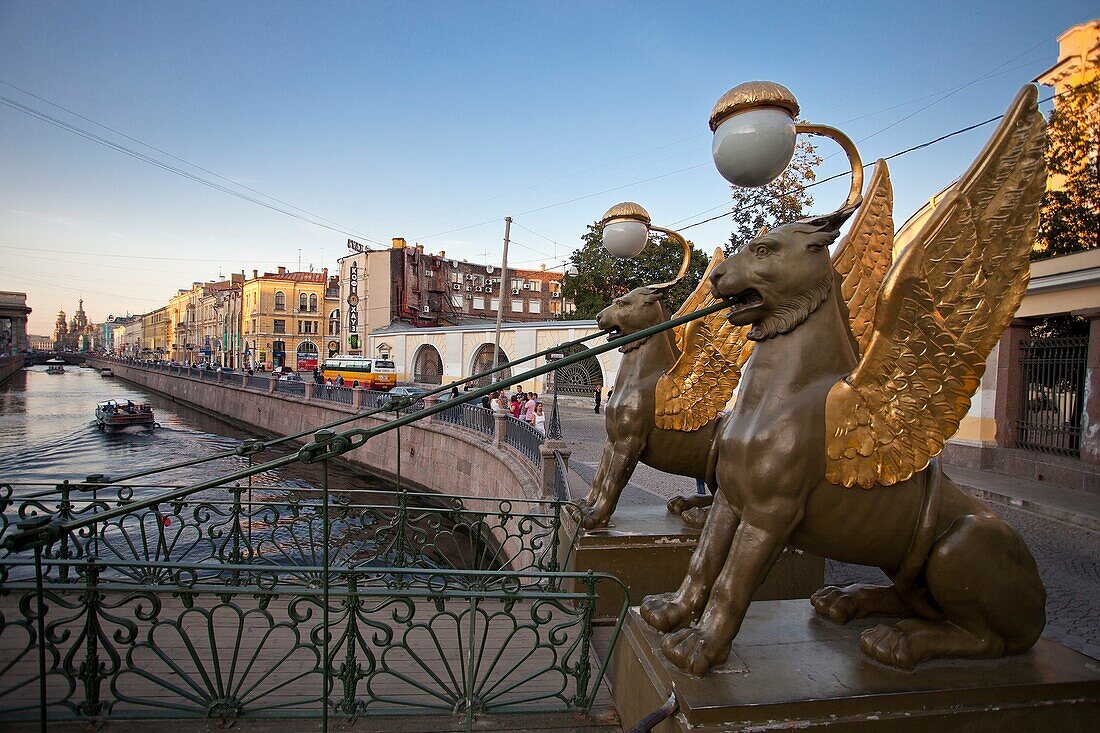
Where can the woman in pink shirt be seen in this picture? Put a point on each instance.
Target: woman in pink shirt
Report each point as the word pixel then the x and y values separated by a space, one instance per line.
pixel 529 409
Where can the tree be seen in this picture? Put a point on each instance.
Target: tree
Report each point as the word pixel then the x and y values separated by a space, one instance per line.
pixel 602 277
pixel 779 202
pixel 1069 220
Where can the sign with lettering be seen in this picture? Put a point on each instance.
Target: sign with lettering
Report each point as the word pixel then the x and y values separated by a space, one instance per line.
pixel 357 247
pixel 353 298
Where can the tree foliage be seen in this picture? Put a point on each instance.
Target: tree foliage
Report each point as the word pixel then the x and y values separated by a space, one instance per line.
pixel 602 277
pixel 1069 220
pixel 779 202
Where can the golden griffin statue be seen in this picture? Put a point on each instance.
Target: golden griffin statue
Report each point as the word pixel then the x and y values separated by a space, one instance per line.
pixel 851 373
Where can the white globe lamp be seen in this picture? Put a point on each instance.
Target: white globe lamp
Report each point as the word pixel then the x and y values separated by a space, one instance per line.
pixel 625 229
pixel 754 132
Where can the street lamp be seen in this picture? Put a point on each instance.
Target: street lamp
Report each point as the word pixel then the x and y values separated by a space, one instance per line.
pixel 626 229
pixel 754 130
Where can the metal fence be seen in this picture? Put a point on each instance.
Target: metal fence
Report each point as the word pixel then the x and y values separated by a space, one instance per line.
pixel 235 608
pixel 469 416
pixel 524 438
pixel 332 393
pixel 291 386
pixel 1052 395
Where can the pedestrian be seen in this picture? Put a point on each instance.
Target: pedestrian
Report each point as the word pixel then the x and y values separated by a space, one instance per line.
pixel 516 406
pixel 486 401
pixel 540 419
pixel 596 394
pixel 529 409
pixel 700 487
pixel 454 393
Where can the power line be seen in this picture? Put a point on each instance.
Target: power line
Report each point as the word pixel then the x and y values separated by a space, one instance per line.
pixel 91 136
pixel 135 257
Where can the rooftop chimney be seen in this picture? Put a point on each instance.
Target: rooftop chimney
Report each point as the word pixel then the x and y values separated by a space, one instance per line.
pixel 399 243
pixel 420 248
pixel 282 270
pixel 442 255
pixel 255 274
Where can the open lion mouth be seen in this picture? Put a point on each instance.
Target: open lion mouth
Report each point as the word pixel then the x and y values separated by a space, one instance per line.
pixel 745 300
pixel 613 332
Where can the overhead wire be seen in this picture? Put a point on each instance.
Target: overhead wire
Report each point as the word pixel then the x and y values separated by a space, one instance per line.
pixel 100 140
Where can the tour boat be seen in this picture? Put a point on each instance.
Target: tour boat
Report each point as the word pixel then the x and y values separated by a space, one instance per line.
pixel 112 414
pixel 106 372
pixel 55 366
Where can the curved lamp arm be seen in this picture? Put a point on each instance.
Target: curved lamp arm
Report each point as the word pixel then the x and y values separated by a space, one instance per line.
pixel 679 239
pixel 855 193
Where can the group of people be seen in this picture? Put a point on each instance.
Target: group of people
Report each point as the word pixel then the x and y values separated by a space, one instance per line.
pixel 523 406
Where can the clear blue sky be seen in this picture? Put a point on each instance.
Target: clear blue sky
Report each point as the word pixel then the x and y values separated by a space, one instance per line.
pixel 417 119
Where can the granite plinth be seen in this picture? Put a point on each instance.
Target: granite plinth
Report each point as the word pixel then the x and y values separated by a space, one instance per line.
pixel 648 549
pixel 789 669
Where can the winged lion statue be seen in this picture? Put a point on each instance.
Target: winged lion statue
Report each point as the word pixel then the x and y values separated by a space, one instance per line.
pixel 833 449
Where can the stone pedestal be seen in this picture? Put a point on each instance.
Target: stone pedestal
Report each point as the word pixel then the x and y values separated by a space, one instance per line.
pixel 648 549
pixel 792 670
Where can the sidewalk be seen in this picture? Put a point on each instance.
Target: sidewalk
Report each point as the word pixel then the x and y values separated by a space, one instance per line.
pixel 585 434
pixel 1079 508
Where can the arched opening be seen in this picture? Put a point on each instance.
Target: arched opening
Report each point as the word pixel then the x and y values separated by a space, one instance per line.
pixel 428 365
pixel 280 300
pixel 313 302
pixel 303 302
pixel 306 356
pixel 580 379
pixel 483 361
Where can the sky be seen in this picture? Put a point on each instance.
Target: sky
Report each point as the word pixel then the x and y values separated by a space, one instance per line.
pixel 434 120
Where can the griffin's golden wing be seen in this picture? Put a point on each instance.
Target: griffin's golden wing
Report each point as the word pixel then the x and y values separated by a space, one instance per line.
pixel 944 305
pixel 863 257
pixel 702 380
pixel 699 298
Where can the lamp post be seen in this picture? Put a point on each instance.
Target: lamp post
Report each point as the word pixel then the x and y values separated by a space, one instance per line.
pixel 754 130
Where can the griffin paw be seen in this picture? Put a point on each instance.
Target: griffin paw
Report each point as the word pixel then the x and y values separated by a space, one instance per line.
pixel 665 611
pixel 693 650
pixel 835 604
pixel 889 645
pixel 695 517
pixel 594 517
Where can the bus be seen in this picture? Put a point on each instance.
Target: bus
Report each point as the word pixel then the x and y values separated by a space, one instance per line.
pixel 360 371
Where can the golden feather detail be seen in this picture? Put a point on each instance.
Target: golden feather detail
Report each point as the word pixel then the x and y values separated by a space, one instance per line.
pixel 941 309
pixel 712 352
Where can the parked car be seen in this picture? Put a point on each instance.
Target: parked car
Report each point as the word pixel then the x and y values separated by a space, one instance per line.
pixel 408 391
pixel 279 371
pixel 292 377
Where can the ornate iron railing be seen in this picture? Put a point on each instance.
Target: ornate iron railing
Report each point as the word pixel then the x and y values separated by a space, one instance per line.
pixel 525 438
pixel 105 617
pixel 474 417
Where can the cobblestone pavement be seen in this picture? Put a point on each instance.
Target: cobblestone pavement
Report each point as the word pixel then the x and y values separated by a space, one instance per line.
pixel 1068 556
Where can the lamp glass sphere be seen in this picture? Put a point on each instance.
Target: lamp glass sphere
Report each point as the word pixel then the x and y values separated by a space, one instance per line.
pixel 625 237
pixel 751 148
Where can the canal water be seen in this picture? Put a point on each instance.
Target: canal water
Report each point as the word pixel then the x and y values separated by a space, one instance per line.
pixel 48 433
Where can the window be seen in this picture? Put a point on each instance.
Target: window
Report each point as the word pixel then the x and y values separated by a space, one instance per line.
pixel 313 302
pixel 534 306
pixel 517 283
pixel 517 306
pixel 280 301
pixel 536 286
pixel 303 302
pixel 456 277
pixel 334 328
pixel 555 306
pixel 494 304
pixel 479 304
pixel 307 326
pixel 278 325
pixel 457 300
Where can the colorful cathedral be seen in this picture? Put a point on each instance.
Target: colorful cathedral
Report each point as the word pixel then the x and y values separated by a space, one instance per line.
pixel 75 335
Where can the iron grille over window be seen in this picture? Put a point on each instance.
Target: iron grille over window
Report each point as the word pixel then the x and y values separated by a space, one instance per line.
pixel 1052 395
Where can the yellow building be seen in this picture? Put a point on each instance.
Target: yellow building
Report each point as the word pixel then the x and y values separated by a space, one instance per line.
pixel 283 316
pixel 1078 64
pixel 154 333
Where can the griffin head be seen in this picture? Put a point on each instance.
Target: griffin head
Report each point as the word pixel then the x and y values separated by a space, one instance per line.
pixel 638 309
pixel 779 278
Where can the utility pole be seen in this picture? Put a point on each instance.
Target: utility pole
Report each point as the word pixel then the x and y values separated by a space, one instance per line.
pixel 503 288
